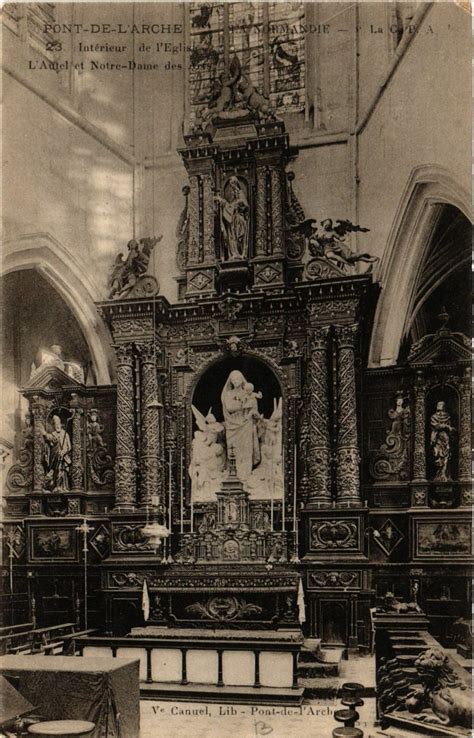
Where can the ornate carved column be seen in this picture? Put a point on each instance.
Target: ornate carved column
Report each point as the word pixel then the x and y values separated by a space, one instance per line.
pixel 277 210
pixel 319 438
pixel 263 211
pixel 465 428
pixel 419 451
pixel 77 466
pixel 39 408
pixel 348 457
pixel 150 451
pixel 125 458
pixel 464 440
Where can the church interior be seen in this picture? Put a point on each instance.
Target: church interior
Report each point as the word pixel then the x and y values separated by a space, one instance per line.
pixel 235 444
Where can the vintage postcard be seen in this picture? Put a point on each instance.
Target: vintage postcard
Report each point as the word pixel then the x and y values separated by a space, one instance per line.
pixel 236 369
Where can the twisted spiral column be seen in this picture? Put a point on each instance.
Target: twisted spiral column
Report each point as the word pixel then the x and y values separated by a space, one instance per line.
pixel 348 457
pixel 150 452
pixel 319 438
pixel 125 458
pixel 419 450
pixel 77 467
pixel 39 409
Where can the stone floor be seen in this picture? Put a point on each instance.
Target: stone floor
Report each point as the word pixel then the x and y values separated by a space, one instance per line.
pixel 314 719
pixel 198 720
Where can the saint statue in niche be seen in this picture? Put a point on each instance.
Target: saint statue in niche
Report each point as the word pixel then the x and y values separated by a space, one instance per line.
pixel 440 440
pixel 234 220
pixel 56 457
pixel 256 442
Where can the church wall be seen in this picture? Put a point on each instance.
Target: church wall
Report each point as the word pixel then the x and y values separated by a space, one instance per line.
pixel 413 122
pixel 78 192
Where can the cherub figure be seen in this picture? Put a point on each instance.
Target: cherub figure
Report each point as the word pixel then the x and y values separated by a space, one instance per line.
pixel 250 401
pixel 208 456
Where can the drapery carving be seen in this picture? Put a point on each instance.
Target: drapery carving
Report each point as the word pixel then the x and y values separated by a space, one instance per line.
pixel 319 440
pixel 125 459
pixel 150 451
pixel 348 458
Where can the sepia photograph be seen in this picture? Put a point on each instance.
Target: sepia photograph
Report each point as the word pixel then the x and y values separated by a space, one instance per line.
pixel 235 445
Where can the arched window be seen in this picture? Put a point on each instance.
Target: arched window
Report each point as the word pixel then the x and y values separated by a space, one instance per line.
pixel 268 39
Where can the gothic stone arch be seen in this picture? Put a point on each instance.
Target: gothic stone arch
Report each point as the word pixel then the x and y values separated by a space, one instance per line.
pixel 428 189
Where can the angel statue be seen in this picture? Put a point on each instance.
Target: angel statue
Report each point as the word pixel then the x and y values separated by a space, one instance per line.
pixel 126 271
pixel 266 480
pixel 208 457
pixel 332 241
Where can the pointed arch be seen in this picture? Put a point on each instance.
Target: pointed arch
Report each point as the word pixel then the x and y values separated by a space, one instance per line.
pixel 429 189
pixel 41 252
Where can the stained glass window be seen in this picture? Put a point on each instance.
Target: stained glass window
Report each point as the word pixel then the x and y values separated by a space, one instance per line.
pixel 268 39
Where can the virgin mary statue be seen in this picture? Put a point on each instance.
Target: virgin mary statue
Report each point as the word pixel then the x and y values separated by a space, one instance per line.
pixel 241 416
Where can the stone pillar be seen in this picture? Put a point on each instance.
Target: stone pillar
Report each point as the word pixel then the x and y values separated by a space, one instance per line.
pixel 150 450
pixel 125 458
pixel 77 455
pixel 419 450
pixel 348 457
pixel 319 437
pixel 39 409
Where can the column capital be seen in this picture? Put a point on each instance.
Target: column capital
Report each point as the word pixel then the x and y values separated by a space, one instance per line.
pixel 124 354
pixel 319 337
pixel 346 335
pixel 146 351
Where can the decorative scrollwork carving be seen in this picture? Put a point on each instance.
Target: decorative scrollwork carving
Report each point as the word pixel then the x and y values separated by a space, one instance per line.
pixel 392 459
pixel 20 475
pixel 130 537
pixel 335 578
pixel 320 268
pixel 334 534
pixel 224 608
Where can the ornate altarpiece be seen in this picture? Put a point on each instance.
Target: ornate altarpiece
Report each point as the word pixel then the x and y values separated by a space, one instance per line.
pixel 257 299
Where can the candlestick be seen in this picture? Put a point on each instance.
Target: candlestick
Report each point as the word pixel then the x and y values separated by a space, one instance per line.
pixel 192 514
pixel 271 514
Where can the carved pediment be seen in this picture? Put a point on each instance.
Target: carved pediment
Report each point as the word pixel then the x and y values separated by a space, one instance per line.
pixel 49 377
pixel 441 347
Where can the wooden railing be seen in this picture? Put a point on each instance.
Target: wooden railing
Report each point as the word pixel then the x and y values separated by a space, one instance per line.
pixel 25 639
pixel 257 646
